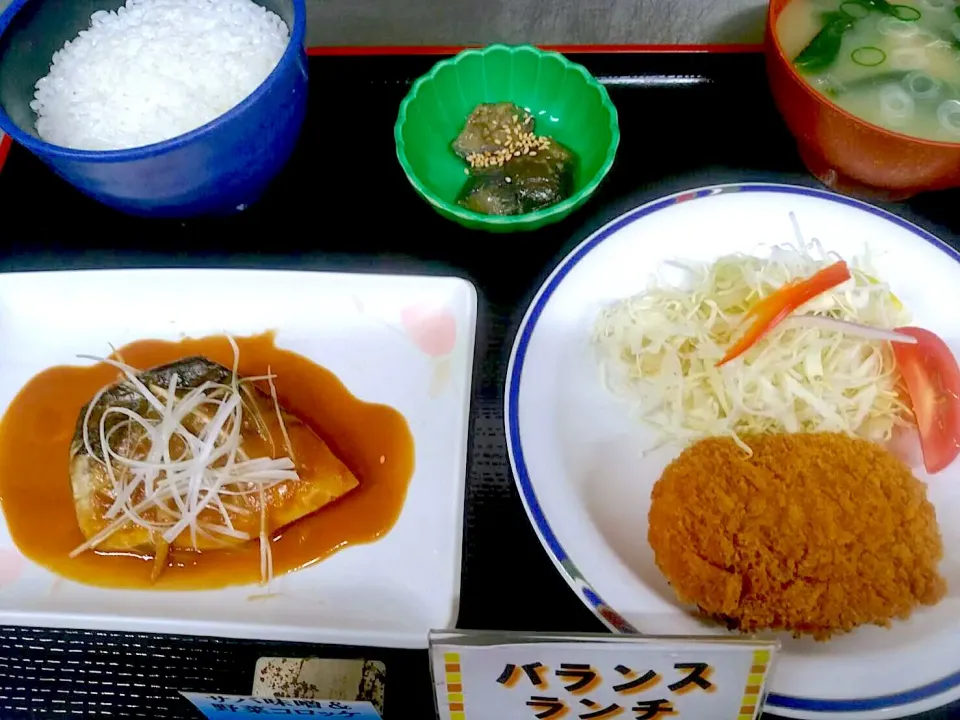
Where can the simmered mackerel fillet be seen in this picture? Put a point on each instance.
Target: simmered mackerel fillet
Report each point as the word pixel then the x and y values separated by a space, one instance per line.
pixel 322 476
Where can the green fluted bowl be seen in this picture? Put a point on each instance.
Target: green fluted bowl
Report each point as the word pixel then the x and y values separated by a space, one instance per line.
pixel 567 102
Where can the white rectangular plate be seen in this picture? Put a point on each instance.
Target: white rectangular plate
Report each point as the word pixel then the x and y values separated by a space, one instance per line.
pixel 389 593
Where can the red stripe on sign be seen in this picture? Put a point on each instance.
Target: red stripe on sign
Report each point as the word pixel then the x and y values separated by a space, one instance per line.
pixel 5 144
pixel 353 50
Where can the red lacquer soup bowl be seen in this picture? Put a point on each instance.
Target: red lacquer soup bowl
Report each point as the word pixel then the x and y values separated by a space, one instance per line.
pixel 846 153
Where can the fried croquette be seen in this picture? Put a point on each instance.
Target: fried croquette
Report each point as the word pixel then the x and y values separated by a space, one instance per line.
pixel 813 534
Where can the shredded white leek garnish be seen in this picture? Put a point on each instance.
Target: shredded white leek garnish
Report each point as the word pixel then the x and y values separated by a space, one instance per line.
pixel 187 459
pixel 659 349
pixel 276 404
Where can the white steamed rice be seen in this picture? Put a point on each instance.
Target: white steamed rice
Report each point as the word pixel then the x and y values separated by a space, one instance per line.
pixel 155 69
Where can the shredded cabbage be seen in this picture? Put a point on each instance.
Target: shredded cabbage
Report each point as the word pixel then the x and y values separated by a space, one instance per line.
pixel 659 349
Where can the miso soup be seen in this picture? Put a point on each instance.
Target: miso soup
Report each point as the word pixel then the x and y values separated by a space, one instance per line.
pixel 896 65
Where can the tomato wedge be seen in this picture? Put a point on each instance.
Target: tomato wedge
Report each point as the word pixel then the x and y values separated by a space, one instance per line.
pixel 932 378
pixel 772 310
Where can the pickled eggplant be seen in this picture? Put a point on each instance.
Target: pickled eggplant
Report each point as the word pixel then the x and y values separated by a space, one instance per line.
pixel 512 170
pixel 490 193
pixel 490 127
pixel 522 185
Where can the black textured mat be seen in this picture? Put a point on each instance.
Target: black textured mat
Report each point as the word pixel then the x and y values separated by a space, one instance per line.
pixel 344 204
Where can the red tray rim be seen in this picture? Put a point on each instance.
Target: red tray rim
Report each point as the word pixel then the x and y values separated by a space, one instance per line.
pixel 354 50
pixel 375 50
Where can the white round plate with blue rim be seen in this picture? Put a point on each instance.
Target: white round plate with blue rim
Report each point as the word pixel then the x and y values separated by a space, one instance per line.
pixel 575 450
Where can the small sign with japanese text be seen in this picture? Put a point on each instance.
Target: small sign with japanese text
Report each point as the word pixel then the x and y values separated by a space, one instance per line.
pixel 236 707
pixel 507 676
